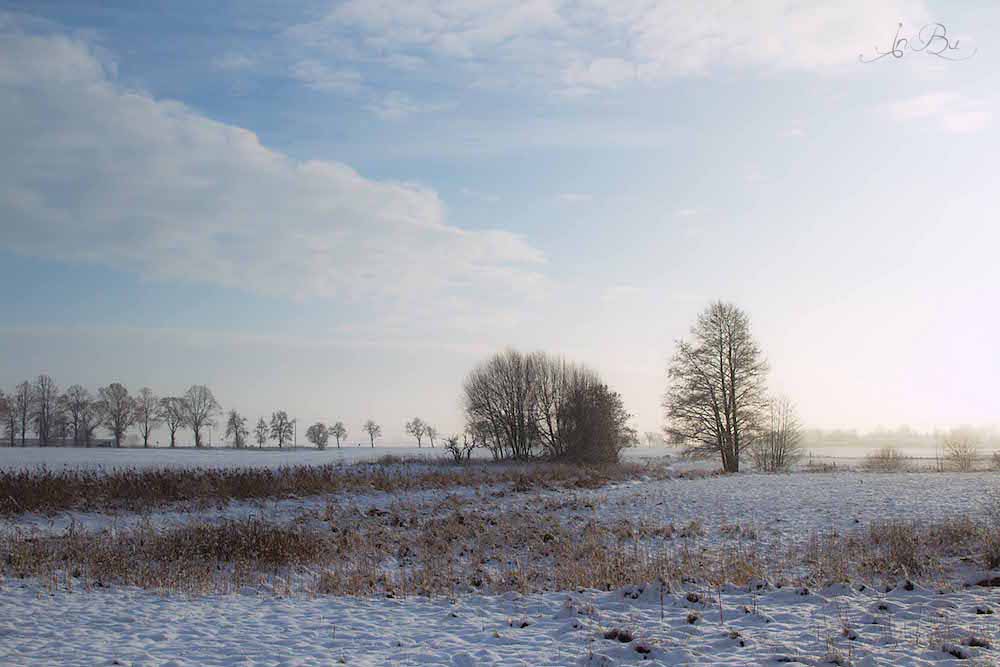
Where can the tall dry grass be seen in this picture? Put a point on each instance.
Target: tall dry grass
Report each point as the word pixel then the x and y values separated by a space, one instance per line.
pixel 406 551
pixel 46 491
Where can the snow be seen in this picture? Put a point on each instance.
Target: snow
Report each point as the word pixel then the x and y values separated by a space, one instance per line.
pixel 188 457
pixel 905 625
pixel 108 458
pixel 134 628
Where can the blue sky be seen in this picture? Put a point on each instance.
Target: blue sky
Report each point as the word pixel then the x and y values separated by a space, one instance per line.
pixel 337 209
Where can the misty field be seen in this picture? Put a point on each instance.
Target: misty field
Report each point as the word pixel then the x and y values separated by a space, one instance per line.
pixel 259 562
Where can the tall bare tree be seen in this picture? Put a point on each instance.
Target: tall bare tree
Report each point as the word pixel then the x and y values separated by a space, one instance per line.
pixel 236 428
pixel 76 399
pixel 173 412
pixel 44 407
pixel 200 410
pixel 148 413
pixel 779 444
pixel 119 410
pixel 431 434
pixel 261 432
pixel 338 431
pixel 22 401
pixel 281 427
pixel 717 386
pixel 500 404
pixel 373 430
pixel 60 421
pixel 417 428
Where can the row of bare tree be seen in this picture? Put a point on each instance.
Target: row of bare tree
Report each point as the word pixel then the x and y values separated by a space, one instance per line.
pixel 74 416
pixel 319 433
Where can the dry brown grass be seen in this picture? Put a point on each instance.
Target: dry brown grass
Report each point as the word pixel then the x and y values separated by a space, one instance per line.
pixel 451 549
pixel 46 491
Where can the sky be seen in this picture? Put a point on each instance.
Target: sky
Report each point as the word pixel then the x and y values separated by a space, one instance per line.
pixel 338 209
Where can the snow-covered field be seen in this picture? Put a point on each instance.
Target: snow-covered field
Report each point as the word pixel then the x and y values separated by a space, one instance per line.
pixel 691 623
pixel 108 458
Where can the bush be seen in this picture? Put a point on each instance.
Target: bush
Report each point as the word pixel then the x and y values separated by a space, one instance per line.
pixel 885 459
pixel 960 451
pixel 460 451
pixel 595 425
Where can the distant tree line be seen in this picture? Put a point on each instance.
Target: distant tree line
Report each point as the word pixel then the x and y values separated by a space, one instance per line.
pixel 73 417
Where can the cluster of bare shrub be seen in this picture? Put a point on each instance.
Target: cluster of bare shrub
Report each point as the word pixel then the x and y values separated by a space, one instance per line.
pixel 777 445
pixel 885 459
pixel 527 406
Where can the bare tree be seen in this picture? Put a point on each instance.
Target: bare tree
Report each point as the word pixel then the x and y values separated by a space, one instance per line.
pixel 281 427
pixel 60 421
pixel 717 386
pixel 91 418
pixel 318 434
pixel 595 425
pixel 8 416
pixel 200 409
pixel 148 413
pixel 119 410
pixel 961 449
pixel 500 404
pixel 417 428
pixel 339 431
pixel 431 434
pixel 76 399
pixel 22 401
pixel 236 428
pixel 779 445
pixel 460 451
pixel 260 432
pixel 557 382
pixel 173 412
pixel 44 406
pixel 373 430
pixel 654 439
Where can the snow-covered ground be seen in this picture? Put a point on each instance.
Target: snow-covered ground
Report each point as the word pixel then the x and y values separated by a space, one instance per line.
pixel 108 458
pixel 691 624
pixel 222 457
pixel 135 628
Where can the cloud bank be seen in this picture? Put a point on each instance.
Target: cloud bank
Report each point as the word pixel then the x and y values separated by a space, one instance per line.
pixel 96 172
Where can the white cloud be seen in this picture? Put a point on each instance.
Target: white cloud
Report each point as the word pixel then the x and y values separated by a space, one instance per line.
pixel 586 45
pixel 116 177
pixel 685 212
pixel 318 76
pixel 953 111
pixel 395 105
